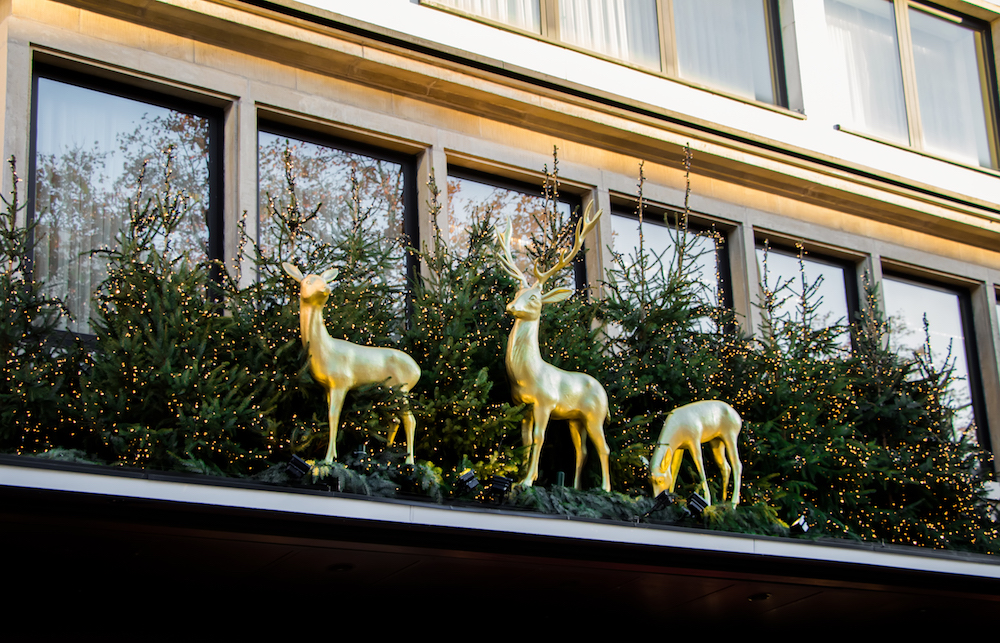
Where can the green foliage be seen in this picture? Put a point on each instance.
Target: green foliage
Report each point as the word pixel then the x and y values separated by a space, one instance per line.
pixel 164 388
pixel 457 337
pixel 669 344
pixel 39 370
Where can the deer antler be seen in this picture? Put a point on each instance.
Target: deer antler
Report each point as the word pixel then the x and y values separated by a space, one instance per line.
pixel 506 260
pixel 583 228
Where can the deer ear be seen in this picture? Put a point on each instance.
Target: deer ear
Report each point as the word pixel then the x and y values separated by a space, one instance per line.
pixel 663 466
pixel 292 271
pixel 329 274
pixel 556 295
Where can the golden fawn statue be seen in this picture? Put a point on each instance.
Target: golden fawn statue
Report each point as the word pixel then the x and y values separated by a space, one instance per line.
pixel 552 392
pixel 687 428
pixel 340 366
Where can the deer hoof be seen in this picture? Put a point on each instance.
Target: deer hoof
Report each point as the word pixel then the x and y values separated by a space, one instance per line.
pixel 320 469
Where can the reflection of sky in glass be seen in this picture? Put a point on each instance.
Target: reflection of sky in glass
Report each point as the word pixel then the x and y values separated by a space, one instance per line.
pixel 906 305
pixel 832 309
pixel 71 116
pixel 660 240
pixel 469 200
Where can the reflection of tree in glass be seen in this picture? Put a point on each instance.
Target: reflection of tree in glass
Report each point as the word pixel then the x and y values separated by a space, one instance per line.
pixel 188 136
pixel 75 215
pixel 337 182
pixel 533 217
pixel 82 199
pixel 927 322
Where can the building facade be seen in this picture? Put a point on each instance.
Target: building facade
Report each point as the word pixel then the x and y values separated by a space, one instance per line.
pixel 863 132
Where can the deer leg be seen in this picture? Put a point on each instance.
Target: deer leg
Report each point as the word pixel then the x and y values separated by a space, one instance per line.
pixel 540 420
pixel 335 399
pixel 595 429
pixel 734 460
pixel 699 463
pixel 719 452
pixel 526 427
pixel 580 443
pixel 675 467
pixel 410 427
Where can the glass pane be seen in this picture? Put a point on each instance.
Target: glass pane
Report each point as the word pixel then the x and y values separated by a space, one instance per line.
pixel 830 296
pixel 907 305
pixel 516 13
pixel 865 61
pixel 660 241
pixel 470 199
pixel 623 29
pixel 724 44
pixel 952 106
pixel 89 149
pixel 323 177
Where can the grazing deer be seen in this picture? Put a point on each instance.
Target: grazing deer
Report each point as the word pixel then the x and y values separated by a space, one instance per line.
pixel 688 427
pixel 340 366
pixel 552 392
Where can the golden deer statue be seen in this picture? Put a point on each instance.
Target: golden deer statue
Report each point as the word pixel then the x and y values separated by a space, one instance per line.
pixel 552 392
pixel 687 428
pixel 340 366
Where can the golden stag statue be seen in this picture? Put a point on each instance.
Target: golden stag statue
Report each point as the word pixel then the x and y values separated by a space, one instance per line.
pixel 340 366
pixel 687 428
pixel 552 392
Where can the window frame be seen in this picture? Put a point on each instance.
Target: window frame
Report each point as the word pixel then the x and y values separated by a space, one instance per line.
pixel 157 96
pixel 975 378
pixel 549 31
pixel 908 72
pixel 574 202
pixel 656 215
pixel 408 163
pixel 849 266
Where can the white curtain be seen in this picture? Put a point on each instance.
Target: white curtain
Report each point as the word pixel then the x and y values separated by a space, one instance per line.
pixel 952 110
pixel 623 29
pixel 517 13
pixel 724 44
pixel 866 58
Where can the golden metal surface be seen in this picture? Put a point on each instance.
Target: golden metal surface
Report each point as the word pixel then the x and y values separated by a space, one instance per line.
pixel 688 427
pixel 339 365
pixel 553 393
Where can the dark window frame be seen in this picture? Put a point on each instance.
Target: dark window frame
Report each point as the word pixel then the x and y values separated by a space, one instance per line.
pixel 408 163
pixel 574 202
pixel 852 290
pixel 975 380
pixel 658 216
pixel 215 116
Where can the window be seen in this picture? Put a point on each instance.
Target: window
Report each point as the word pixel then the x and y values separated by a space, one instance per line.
pixel 916 75
pixel 830 286
pixel 337 177
pixel 472 196
pixel 731 45
pixel 909 305
pixel 705 247
pixel 90 140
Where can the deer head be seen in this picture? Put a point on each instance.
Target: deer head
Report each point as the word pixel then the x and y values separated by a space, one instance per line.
pixel 313 289
pixel 527 303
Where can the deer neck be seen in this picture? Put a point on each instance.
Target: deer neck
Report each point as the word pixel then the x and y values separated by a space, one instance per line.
pixel 523 354
pixel 311 323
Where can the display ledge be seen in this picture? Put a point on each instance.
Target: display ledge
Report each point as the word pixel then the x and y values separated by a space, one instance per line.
pixel 222 494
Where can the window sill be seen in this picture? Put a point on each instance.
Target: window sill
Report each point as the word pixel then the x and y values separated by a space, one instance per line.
pixel 978 168
pixel 779 109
